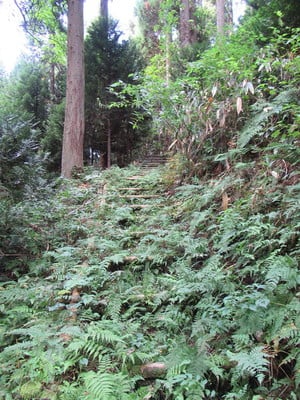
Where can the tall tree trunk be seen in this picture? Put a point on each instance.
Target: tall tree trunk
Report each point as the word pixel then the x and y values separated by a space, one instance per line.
pixel 72 151
pixel 184 30
pixel 220 5
pixel 104 9
pixel 187 32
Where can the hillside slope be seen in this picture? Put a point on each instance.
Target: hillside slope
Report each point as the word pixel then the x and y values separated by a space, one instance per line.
pixel 144 289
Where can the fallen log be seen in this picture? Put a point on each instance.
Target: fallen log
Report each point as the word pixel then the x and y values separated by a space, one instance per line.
pixel 153 370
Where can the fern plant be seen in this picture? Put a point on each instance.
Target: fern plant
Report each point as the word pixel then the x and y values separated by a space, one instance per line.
pixel 262 113
pixel 254 363
pixel 107 386
pixel 207 287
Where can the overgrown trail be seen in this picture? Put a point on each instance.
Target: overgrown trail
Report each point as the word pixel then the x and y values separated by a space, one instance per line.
pixel 137 201
pixel 142 292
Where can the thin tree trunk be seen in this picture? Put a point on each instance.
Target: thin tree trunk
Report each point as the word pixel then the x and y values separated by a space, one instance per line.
pixel 108 144
pixel 52 83
pixel 72 151
pixel 168 58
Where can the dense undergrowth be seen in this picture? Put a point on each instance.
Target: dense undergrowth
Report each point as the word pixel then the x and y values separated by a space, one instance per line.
pixel 203 278
pixel 194 266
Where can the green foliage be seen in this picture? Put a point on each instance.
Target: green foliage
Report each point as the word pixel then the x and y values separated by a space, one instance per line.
pixel 211 293
pixel 254 363
pixel 199 113
pixel 159 28
pixel 29 90
pixel 264 115
pixel 21 163
pixel 102 45
pixel 30 390
pixel 52 141
pixel 23 104
pixel 22 178
pixel 148 17
pixel 44 24
pixel 192 266
pixel 105 386
pixel 264 15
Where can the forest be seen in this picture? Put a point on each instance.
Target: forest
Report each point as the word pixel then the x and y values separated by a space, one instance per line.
pixel 149 203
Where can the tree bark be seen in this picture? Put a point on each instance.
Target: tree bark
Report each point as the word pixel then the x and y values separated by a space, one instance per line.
pixel 154 370
pixel 184 31
pixel 104 9
pixel 220 8
pixel 187 32
pixel 72 151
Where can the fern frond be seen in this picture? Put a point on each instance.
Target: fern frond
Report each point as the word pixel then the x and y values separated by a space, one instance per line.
pixel 262 112
pixel 100 386
pixel 282 268
pixel 98 340
pixel 255 363
pixel 241 341
pixel 105 363
pixel 94 350
pixel 114 305
pixel 105 386
pixel 17 349
pixel 216 364
pixel 12 295
pixel 199 219
pixel 71 391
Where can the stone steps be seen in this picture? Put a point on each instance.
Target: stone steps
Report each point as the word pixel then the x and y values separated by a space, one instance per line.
pixel 153 161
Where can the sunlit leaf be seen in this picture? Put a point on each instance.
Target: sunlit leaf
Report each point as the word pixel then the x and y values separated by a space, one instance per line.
pixel 239 105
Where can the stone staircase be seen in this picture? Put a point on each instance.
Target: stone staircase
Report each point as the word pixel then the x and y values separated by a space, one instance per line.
pixel 153 161
pixel 137 194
